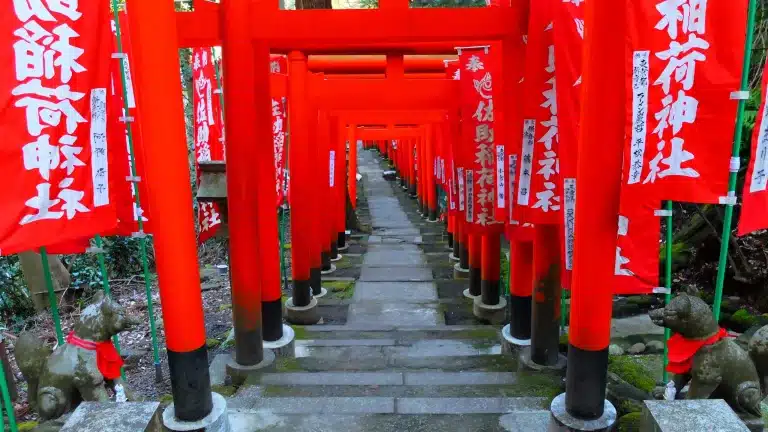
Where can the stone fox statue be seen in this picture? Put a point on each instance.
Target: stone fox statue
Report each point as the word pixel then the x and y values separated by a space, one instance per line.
pixel 77 370
pixel 715 365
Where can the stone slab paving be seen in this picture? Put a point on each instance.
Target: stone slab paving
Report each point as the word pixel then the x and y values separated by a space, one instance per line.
pixel 395 281
pixel 265 420
pixel 390 378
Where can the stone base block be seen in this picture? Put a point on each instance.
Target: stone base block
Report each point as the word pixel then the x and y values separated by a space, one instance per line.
pixel 285 346
pixel 330 270
pixel 323 292
pixel 216 421
pixel 337 258
pixel 453 257
pixel 690 415
pixel 469 296
pixel 304 315
pixel 343 248
pixel 494 314
pixel 239 373
pixel 510 344
pixel 527 364
pixel 460 273
pixel 121 417
pixel 562 421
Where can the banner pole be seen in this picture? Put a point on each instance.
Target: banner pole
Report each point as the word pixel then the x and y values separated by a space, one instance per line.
pixel 728 219
pixel 51 295
pixel 7 403
pixel 668 286
pixel 107 290
pixel 137 198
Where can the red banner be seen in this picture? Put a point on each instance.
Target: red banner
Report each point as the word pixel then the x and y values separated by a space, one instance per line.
pixel 208 139
pixel 453 135
pixel 754 208
pixel 637 249
pixel 54 151
pixel 568 38
pixel 279 124
pixel 539 187
pixel 478 141
pixel 684 62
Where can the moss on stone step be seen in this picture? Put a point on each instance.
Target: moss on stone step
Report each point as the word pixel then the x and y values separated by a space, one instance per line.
pixel 632 372
pixel 629 422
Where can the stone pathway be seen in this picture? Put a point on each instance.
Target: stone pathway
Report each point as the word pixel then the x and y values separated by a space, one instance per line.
pixel 395 285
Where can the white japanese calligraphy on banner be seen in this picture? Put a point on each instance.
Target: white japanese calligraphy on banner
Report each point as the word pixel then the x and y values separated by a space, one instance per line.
pixel 529 132
pixel 501 175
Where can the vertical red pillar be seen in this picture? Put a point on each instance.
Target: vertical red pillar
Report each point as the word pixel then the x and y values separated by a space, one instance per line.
pixel 333 187
pixel 412 167
pixel 598 179
pixel 353 165
pixel 521 288
pixel 301 238
pixel 430 185
pixel 170 197
pixel 323 162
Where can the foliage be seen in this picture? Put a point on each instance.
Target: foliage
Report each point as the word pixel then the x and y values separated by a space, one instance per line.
pixel 15 303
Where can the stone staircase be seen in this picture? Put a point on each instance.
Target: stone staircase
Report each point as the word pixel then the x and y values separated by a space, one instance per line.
pixel 395 379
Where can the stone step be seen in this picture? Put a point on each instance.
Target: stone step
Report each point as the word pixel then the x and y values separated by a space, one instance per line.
pixel 390 378
pixel 363 348
pixel 373 359
pixel 399 333
pixel 244 420
pixel 386 405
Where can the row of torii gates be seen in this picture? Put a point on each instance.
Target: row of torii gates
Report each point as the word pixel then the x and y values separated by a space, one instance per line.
pixel 248 31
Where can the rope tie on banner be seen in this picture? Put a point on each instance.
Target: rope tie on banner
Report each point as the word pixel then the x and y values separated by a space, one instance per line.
pixel 729 200
pixel 140 235
pixel 133 179
pixel 126 119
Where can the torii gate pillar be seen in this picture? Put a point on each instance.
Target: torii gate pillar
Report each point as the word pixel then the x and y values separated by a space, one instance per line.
pixel 170 197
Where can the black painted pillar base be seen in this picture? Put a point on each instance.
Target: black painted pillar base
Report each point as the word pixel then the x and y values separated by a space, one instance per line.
pixel 433 215
pixel 325 259
pixel 334 250
pixel 585 382
pixel 450 241
pixel 272 319
pixel 464 257
pixel 489 292
pixel 190 384
pixel 412 190
pixel 316 281
pixel 545 331
pixel 474 281
pixel 520 323
pixel 302 293
pixel 457 248
pixel 341 243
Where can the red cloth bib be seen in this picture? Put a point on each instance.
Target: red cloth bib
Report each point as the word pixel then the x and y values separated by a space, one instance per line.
pixel 682 350
pixel 108 360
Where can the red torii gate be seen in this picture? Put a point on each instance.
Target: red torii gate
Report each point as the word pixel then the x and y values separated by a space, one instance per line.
pixel 248 30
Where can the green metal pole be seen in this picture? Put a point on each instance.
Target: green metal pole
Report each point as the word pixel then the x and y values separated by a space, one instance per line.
pixel 667 285
pixel 137 198
pixel 728 220
pixel 105 283
pixel 51 295
pixel 7 404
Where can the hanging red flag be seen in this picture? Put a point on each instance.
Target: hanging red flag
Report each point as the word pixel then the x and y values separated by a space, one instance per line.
pixel 539 187
pixel 637 248
pixel 568 39
pixel 278 64
pixel 681 106
pixel 754 208
pixel 54 154
pixel 208 143
pixel 279 102
pixel 452 135
pixel 478 141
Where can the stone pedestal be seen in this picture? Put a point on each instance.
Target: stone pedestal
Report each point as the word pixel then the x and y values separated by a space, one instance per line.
pixel 337 258
pixel 510 344
pixel 285 346
pixel 216 421
pixel 469 295
pixel 527 364
pixel 494 314
pixel 239 373
pixel 690 415
pixel 459 272
pixel 562 421
pixel 453 257
pixel 303 315
pixel 330 270
pixel 113 417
